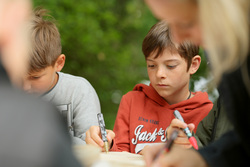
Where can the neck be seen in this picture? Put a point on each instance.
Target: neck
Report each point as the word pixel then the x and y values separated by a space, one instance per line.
pixel 178 96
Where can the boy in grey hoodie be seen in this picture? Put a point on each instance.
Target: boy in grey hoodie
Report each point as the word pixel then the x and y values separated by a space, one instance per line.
pixel 74 96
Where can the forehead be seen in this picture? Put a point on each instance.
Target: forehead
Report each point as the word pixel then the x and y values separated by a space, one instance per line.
pixel 34 73
pixel 167 54
pixel 41 71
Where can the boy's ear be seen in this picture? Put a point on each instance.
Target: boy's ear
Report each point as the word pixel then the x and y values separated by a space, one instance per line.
pixel 195 64
pixel 60 62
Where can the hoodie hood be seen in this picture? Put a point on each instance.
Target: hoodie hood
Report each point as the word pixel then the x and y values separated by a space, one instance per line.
pixel 151 93
pixel 198 99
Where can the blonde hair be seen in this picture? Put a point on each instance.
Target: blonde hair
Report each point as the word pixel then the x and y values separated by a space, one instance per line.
pixel 225 25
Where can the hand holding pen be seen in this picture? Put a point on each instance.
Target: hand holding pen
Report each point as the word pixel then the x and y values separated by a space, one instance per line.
pixel 103 131
pixel 182 139
pixel 187 130
pixel 94 136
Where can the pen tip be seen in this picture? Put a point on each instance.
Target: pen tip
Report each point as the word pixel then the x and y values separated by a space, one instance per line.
pixel 106 147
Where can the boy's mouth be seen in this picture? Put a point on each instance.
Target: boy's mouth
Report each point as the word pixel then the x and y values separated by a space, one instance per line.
pixel 161 85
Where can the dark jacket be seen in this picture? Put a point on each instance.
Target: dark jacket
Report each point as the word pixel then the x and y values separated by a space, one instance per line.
pixel 233 148
pixel 213 126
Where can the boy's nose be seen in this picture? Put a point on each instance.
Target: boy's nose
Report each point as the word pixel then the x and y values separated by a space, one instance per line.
pixel 161 73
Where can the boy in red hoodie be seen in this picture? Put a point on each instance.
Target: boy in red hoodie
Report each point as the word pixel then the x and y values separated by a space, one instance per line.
pixel 146 112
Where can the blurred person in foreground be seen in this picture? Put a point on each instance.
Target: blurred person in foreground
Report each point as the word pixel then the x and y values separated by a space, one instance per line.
pixel 222 28
pixel 31 131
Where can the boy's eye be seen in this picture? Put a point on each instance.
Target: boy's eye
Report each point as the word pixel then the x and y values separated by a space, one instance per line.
pixel 34 77
pixel 151 66
pixel 171 66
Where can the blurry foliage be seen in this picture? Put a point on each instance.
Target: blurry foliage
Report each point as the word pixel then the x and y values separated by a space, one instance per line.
pixel 102 43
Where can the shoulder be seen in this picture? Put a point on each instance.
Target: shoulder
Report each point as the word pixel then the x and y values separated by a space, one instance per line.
pixel 201 96
pixel 134 96
pixel 135 93
pixel 73 81
pixel 69 77
pixel 200 93
pixel 201 100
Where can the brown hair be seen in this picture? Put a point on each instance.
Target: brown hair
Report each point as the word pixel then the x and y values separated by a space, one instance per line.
pixel 46 41
pixel 159 38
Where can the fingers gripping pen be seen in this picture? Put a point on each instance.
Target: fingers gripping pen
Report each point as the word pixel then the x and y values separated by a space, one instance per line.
pixel 103 131
pixel 191 138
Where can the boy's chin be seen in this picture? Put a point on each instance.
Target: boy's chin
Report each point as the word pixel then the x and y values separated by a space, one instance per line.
pixel 34 93
pixel 162 94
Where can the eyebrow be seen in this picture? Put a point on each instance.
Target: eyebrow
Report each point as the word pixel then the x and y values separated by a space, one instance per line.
pixel 36 74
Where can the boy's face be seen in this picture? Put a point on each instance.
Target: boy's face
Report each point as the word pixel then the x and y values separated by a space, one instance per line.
pixel 40 82
pixel 169 76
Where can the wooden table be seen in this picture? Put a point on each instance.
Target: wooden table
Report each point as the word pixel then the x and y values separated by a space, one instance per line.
pixel 92 156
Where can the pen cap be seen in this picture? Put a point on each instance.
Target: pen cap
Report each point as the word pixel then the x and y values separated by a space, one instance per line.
pixel 100 119
pixel 193 142
pixel 178 115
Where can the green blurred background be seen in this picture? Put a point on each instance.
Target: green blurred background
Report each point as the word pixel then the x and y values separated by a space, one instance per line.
pixel 102 43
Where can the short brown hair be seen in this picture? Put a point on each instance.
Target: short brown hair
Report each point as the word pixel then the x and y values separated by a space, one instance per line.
pixel 46 41
pixel 159 38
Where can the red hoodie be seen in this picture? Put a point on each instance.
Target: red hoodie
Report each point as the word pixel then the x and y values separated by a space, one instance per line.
pixel 144 116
